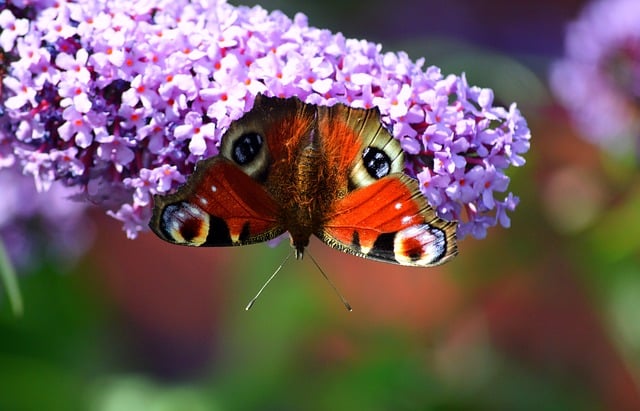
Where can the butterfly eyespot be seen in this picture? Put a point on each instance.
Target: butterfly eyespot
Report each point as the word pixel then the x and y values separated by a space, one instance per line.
pixel 380 158
pixel 184 223
pixel 376 162
pixel 246 148
pixel 420 244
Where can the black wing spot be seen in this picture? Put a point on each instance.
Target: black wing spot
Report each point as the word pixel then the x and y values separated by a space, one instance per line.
pixel 376 162
pixel 246 148
pixel 384 246
pixel 190 229
pixel 246 232
pixel 219 234
pixel 355 241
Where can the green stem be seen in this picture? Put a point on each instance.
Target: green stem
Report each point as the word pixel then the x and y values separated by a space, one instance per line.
pixel 9 279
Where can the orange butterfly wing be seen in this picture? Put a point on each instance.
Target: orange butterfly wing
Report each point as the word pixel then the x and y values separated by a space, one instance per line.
pixel 235 198
pixel 335 172
pixel 390 221
pixel 219 206
pixel 382 215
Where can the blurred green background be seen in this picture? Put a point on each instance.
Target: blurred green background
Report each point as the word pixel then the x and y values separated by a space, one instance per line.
pixel 542 316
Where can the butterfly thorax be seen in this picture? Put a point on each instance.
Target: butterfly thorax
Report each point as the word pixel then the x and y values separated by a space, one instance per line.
pixel 313 190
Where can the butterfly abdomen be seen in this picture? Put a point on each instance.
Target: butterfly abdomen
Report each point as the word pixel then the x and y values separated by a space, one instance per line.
pixel 311 194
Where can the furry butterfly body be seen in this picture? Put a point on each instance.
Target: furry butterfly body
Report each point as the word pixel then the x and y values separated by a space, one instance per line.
pixel 333 172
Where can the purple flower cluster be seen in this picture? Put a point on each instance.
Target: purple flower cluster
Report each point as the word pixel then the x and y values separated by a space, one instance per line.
pixel 598 80
pixel 122 98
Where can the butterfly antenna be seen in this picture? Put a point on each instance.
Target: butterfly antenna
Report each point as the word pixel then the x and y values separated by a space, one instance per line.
pixel 253 300
pixel 344 301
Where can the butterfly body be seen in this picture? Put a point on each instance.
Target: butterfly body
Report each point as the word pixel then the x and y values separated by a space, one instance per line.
pixel 333 172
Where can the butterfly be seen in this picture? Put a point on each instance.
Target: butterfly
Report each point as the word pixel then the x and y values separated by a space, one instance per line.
pixel 330 171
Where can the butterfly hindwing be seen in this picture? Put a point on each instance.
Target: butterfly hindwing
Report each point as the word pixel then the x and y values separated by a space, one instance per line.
pixel 219 206
pixel 390 221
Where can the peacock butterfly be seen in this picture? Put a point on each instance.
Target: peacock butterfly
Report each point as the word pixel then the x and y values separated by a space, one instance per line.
pixel 334 172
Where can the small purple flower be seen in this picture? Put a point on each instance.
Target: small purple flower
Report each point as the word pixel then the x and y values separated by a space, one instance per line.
pixel 166 177
pixel 116 150
pixel 121 99
pixel 598 81
pixel 11 28
pixel 77 126
pixel 22 94
pixel 196 131
pixel 74 68
pixel 135 219
pixel 143 90
pixel 67 163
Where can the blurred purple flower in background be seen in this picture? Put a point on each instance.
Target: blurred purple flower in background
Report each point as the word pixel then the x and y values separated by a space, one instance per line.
pixel 598 81
pixel 120 99
pixel 37 225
